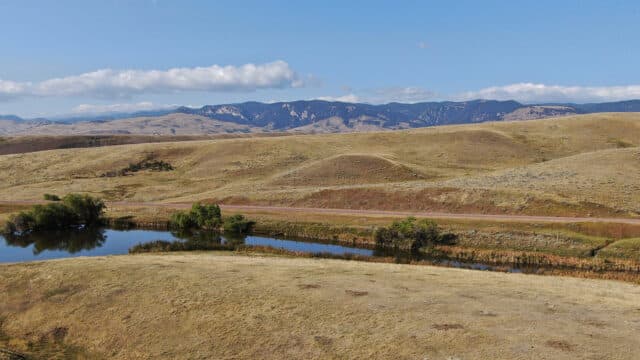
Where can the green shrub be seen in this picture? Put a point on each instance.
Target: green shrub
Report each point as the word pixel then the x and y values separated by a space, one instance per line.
pixel 51 197
pixel 200 216
pixel 413 234
pixel 47 217
pixel 88 209
pixel 74 210
pixel 206 216
pixel 53 216
pixel 182 221
pixel 20 223
pixel 238 224
pixel 9 228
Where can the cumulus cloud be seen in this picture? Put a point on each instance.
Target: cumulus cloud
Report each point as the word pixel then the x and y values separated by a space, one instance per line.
pixel 11 89
pixel 539 93
pixel 119 108
pixel 108 83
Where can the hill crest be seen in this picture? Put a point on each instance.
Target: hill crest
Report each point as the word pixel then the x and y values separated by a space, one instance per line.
pixel 306 116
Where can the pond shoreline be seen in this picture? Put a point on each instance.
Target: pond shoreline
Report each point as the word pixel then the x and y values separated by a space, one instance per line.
pixel 502 260
pixel 530 262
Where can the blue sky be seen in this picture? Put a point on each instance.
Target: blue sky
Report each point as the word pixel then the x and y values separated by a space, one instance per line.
pixel 67 57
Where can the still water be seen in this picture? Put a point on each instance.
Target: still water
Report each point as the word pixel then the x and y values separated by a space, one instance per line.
pixel 100 242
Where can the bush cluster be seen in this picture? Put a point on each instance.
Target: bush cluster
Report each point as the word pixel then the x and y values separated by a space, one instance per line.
pixel 238 224
pixel 74 210
pixel 201 216
pixel 413 234
pixel 209 217
pixel 153 165
pixel 51 197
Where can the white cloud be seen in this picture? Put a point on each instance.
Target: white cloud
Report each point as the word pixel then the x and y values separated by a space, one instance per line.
pixel 410 94
pixel 522 92
pixel 108 83
pixel 118 108
pixel 422 45
pixel 10 89
pixel 352 98
pixel 386 95
pixel 539 93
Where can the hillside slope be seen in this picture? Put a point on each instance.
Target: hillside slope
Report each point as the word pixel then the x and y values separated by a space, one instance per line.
pixel 216 306
pixel 172 124
pixel 567 166
pixel 305 116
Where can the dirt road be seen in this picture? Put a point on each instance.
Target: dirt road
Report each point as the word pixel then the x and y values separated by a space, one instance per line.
pixel 432 215
pixel 438 215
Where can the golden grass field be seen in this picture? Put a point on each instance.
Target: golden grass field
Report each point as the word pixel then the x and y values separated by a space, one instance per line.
pixel 247 305
pixel 225 306
pixel 580 165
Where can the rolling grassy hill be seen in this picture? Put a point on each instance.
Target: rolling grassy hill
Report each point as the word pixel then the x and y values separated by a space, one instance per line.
pixel 24 144
pixel 222 306
pixel 577 165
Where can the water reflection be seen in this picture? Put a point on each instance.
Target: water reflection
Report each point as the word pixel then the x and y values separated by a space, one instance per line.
pixel 70 241
pixel 197 236
pixel 204 240
pixel 100 242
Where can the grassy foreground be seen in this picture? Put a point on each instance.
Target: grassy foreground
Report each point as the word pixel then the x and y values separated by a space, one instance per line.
pixel 211 305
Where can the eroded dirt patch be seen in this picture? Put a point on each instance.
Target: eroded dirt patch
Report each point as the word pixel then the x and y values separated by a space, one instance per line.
pixel 560 345
pixel 356 292
pixel 446 327
pixel 309 286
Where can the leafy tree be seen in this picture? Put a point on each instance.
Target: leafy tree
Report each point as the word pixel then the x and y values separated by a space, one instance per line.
pixel 206 216
pixel 50 217
pixel 75 210
pixel 182 220
pixel 88 209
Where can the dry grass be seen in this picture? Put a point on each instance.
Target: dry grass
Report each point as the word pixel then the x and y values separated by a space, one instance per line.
pixel 348 170
pixel 607 177
pixel 566 166
pixel 625 248
pixel 23 144
pixel 225 306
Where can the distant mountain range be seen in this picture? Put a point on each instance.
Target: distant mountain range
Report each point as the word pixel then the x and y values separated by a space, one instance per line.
pixel 303 116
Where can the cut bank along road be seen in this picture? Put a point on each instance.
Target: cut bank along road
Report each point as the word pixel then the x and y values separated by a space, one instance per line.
pixel 432 215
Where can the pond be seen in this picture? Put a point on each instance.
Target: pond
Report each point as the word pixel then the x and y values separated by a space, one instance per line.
pixel 100 242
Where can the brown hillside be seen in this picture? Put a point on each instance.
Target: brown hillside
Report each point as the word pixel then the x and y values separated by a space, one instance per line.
pixel 571 165
pixel 348 169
